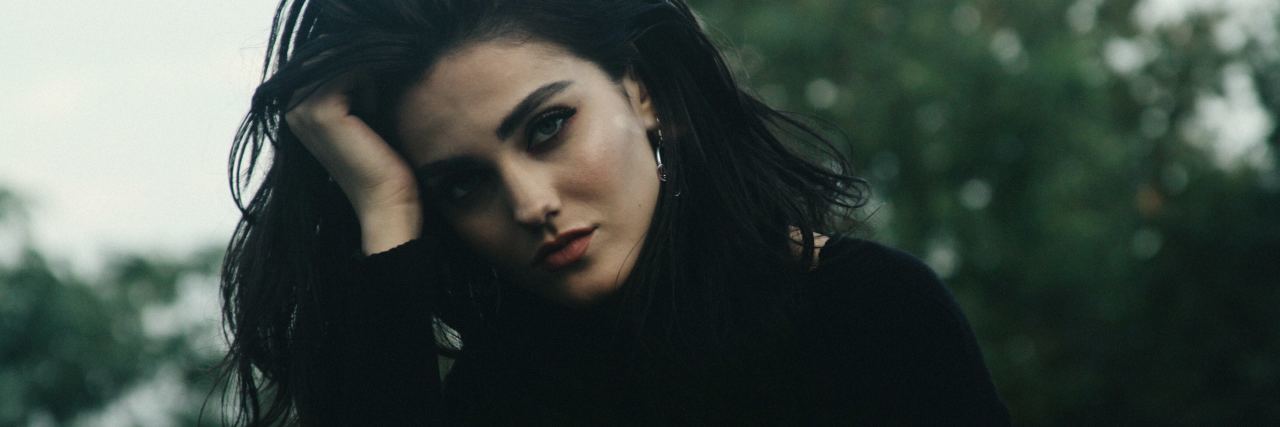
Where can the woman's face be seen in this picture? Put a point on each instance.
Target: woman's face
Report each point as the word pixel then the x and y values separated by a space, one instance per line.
pixel 539 161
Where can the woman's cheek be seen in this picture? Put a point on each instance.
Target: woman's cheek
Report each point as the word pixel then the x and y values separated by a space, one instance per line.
pixel 606 160
pixel 483 235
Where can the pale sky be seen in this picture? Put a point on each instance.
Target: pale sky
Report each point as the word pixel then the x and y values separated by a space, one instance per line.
pixel 117 117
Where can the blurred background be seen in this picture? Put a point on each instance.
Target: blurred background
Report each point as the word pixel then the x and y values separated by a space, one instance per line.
pixel 1096 180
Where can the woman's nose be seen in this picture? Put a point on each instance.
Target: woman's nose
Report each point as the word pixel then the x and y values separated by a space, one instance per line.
pixel 532 196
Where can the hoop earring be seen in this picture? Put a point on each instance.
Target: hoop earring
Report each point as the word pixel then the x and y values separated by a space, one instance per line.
pixel 657 154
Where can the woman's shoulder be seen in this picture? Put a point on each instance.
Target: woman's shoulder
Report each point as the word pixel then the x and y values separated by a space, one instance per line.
pixel 850 266
pixel 865 289
pixel 883 320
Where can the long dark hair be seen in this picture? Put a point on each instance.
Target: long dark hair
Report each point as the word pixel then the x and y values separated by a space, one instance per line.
pixel 718 264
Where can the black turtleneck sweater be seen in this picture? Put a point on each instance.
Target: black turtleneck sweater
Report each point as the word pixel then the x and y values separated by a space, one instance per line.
pixel 882 341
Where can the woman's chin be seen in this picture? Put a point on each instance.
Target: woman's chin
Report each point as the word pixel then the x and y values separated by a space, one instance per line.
pixel 582 290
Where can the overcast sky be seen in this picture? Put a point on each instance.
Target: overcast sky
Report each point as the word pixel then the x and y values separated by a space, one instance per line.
pixel 116 118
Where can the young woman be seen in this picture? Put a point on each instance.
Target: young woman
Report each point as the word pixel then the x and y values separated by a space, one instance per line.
pixel 576 201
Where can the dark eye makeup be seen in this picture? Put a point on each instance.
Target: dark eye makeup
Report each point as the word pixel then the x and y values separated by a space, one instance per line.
pixel 547 126
pixel 457 182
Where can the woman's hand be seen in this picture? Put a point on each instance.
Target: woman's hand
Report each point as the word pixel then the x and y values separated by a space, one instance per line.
pixel 377 181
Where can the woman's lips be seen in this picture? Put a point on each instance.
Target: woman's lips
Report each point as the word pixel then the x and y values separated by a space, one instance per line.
pixel 565 251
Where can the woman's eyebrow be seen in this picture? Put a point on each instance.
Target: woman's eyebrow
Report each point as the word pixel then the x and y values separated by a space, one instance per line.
pixel 526 107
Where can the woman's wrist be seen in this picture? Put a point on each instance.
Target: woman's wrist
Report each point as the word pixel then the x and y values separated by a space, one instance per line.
pixel 389 227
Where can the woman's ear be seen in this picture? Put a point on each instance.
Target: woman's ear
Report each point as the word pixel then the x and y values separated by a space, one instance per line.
pixel 641 102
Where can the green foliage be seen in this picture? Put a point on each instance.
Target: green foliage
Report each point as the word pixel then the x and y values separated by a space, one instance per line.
pixel 1114 271
pixel 70 348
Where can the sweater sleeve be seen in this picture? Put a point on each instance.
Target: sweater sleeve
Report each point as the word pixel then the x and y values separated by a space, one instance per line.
pixel 381 345
pixel 901 351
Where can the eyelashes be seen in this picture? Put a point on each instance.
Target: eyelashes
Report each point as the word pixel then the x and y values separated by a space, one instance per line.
pixel 459 189
pixel 546 127
pixel 463 188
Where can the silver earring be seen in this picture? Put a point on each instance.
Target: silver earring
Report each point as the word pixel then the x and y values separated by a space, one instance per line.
pixel 657 154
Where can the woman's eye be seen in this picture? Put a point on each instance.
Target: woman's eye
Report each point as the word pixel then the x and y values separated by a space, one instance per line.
pixel 459 189
pixel 547 126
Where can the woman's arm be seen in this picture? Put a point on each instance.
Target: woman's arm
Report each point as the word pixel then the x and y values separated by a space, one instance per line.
pixel 376 358
pixel 373 360
pixel 377 181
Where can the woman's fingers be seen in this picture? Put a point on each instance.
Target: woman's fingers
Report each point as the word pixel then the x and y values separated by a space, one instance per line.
pixel 377 180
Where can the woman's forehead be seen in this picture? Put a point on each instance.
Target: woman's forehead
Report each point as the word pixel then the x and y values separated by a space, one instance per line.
pixel 469 92
pixel 480 78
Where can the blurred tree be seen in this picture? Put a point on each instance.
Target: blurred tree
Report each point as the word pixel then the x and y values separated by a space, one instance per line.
pixel 75 351
pixel 1067 166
